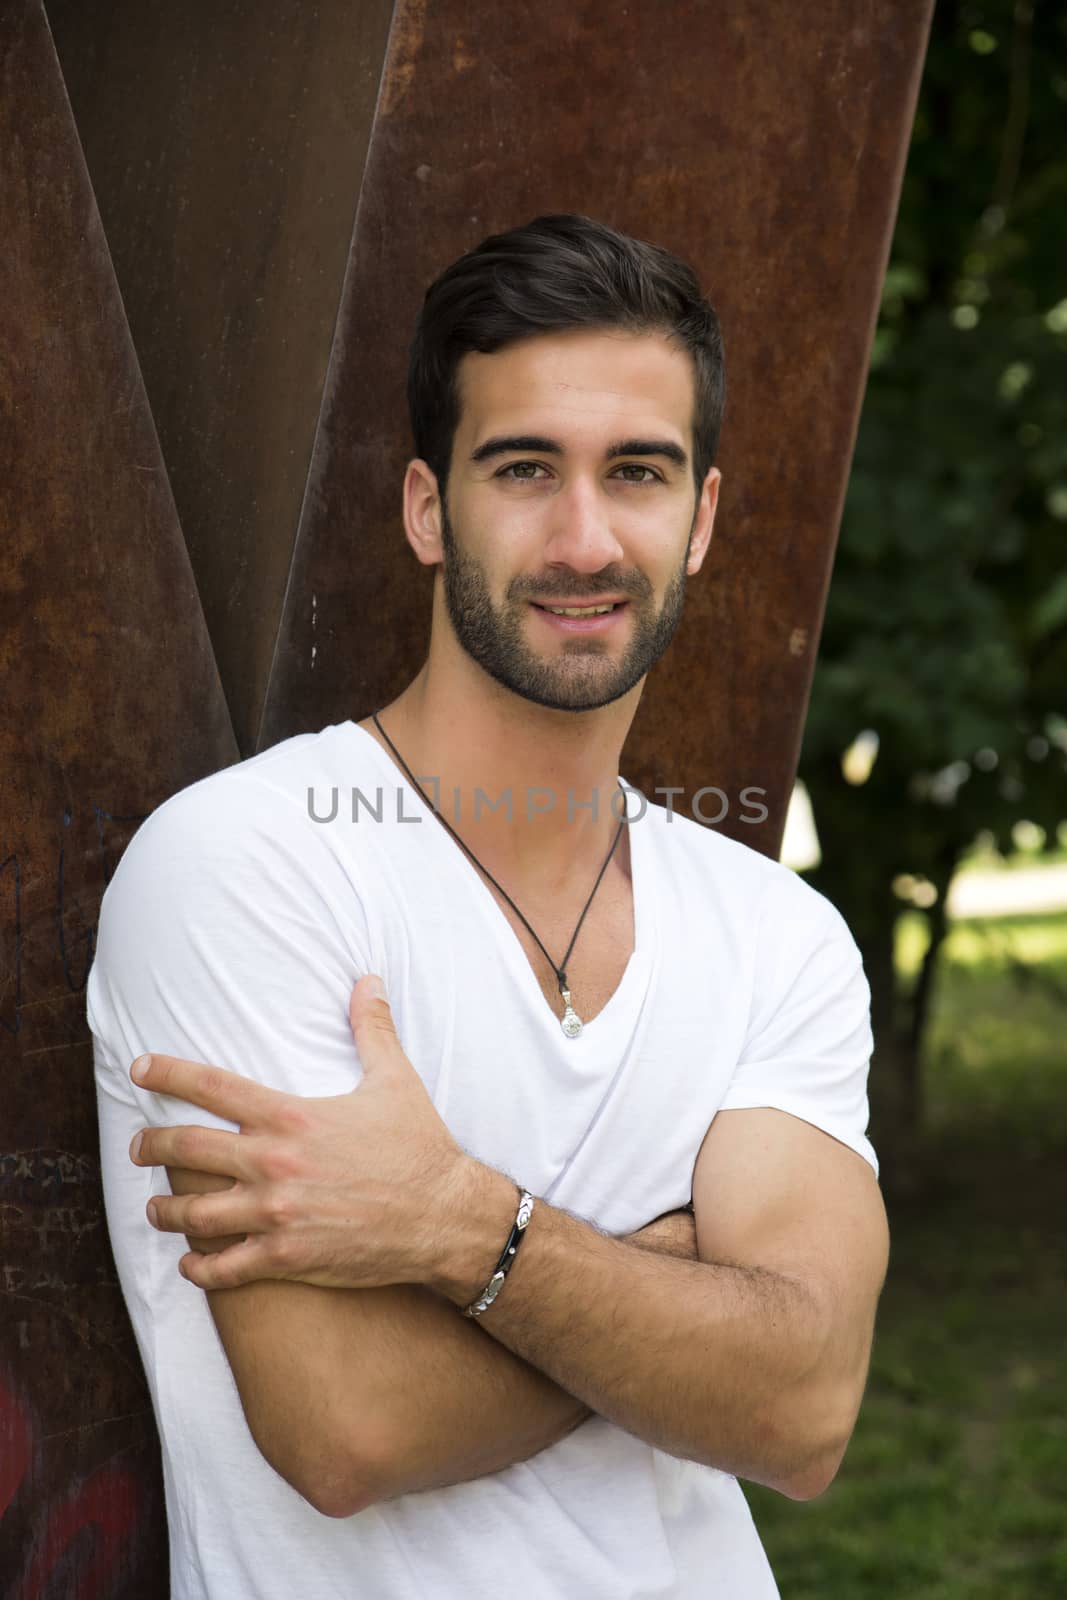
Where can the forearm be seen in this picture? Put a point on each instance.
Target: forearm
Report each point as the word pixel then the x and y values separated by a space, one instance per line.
pixel 379 1392
pixel 480 1407
pixel 446 1402
pixel 708 1362
pixel 458 1404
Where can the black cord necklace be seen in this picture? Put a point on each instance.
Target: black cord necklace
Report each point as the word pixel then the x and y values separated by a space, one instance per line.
pixel 570 1022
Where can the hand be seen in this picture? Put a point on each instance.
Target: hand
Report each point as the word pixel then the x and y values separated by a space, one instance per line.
pixel 346 1191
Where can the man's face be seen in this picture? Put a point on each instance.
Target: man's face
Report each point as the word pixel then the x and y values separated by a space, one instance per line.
pixel 571 485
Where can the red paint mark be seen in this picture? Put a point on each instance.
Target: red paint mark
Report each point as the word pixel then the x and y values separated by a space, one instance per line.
pixel 14 1446
pixel 108 1504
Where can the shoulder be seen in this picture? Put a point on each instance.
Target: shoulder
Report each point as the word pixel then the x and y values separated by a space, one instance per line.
pixel 234 866
pixel 743 884
pixel 229 910
pixel 256 811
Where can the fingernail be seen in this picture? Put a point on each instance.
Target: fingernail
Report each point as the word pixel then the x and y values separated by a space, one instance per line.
pixel 140 1068
pixel 135 1145
pixel 153 1215
pixel 377 988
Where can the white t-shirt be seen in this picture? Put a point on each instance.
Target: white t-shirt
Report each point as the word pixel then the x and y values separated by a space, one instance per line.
pixel 232 932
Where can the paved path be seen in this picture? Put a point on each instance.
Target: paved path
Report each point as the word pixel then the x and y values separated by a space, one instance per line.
pixel 999 894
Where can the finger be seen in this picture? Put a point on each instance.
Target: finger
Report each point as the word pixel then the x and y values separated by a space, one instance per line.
pixel 372 1021
pixel 196 1149
pixel 219 1215
pixel 226 1269
pixel 227 1094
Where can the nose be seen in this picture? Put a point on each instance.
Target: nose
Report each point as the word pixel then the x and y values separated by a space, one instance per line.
pixel 581 529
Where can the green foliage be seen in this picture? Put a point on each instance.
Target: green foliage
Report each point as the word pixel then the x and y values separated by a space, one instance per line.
pixel 946 624
pixel 992 1056
pixel 954 1486
pixel 946 635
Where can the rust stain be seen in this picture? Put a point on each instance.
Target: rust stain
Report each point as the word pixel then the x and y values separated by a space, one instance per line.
pixel 405 45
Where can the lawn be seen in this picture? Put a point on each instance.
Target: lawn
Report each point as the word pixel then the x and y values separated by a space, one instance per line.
pixel 955 1482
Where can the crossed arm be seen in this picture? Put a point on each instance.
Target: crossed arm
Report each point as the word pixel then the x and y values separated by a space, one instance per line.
pixel 361 1395
pixel 752 1359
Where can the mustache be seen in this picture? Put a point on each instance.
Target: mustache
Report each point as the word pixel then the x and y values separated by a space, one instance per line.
pixel 633 584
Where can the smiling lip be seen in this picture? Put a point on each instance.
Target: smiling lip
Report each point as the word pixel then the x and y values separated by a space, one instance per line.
pixel 582 605
pixel 603 622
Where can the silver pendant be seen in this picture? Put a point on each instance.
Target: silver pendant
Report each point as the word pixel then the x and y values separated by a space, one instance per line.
pixel 570 1022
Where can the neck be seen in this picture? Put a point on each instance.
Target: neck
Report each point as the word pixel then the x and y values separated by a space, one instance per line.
pixel 483 744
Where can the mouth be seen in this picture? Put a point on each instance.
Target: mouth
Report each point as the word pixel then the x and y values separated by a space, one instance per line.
pixel 598 616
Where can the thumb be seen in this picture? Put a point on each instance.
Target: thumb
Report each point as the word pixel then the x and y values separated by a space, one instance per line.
pixel 370 1017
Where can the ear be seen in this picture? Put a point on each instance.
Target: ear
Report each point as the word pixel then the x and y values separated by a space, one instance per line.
pixel 422 513
pixel 705 521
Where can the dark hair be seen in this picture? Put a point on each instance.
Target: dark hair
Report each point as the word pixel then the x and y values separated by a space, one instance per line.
pixel 554 273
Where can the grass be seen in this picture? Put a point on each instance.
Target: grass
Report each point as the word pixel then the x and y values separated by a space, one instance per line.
pixel 955 1482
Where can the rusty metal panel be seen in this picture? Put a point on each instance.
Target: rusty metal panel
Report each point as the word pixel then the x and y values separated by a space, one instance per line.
pixel 760 142
pixel 225 142
pixel 110 702
pixel 235 145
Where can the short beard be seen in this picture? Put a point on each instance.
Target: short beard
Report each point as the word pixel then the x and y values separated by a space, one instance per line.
pixel 582 677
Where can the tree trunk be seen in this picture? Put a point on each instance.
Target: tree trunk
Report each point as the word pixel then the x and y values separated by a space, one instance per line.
pixel 893 1083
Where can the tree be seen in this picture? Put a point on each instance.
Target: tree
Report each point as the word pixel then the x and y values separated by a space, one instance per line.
pixel 946 628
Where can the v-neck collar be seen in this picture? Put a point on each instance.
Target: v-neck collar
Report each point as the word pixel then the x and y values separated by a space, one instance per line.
pixel 618 1003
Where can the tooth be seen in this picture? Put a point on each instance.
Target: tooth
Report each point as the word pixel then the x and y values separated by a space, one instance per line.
pixel 580 611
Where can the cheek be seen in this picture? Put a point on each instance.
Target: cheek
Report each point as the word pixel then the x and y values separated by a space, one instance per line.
pixel 508 539
pixel 660 555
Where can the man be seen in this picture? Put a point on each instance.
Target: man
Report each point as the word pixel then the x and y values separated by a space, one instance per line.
pixel 690 1027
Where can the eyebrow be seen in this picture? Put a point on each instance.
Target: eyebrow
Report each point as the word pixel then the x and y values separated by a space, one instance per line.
pixel 507 444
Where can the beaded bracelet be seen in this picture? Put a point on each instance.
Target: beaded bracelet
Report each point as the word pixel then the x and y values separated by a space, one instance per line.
pixel 503 1266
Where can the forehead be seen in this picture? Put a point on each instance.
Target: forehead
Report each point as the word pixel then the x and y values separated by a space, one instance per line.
pixel 581 383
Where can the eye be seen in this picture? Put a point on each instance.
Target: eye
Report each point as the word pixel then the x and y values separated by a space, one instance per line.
pixel 513 471
pixel 637 466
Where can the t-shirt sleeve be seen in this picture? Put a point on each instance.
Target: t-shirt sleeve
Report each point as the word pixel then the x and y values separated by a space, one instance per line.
pixel 808 1046
pixel 230 933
